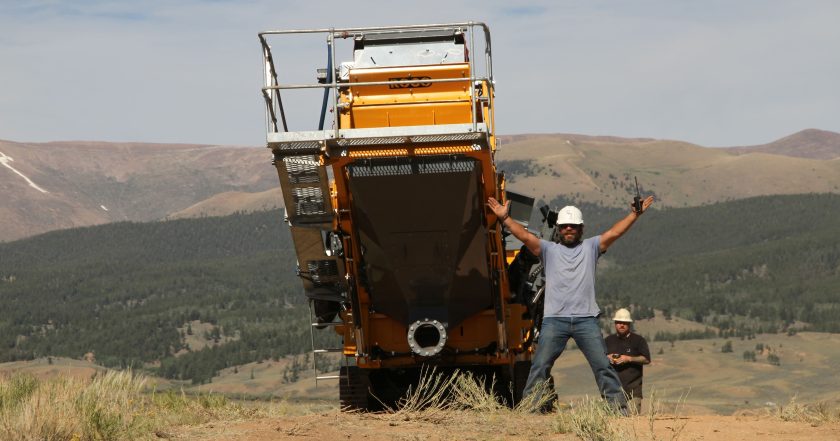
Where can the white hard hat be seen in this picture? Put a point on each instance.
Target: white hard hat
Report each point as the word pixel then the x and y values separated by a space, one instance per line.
pixel 570 215
pixel 623 315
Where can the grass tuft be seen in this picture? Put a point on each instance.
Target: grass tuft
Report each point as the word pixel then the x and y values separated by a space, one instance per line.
pixel 814 414
pixel 541 399
pixel 429 400
pixel 592 419
pixel 472 393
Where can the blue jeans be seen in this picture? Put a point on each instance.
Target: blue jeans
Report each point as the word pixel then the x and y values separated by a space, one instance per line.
pixel 586 332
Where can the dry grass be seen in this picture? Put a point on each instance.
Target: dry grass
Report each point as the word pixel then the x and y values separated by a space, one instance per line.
pixel 542 398
pixel 591 420
pixel 814 414
pixel 68 409
pixel 117 406
pixel 438 393
pixel 466 399
pixel 471 393
pixel 463 397
pixel 113 406
pixel 428 400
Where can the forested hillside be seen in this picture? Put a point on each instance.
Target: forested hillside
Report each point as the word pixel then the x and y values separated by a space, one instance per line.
pixel 757 264
pixel 122 291
pixel 127 291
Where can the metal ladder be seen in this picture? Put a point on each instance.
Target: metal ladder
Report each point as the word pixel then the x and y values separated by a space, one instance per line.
pixel 316 352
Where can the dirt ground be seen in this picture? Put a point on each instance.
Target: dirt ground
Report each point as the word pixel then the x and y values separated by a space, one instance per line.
pixel 475 426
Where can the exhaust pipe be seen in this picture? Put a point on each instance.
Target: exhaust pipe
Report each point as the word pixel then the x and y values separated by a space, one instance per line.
pixel 426 337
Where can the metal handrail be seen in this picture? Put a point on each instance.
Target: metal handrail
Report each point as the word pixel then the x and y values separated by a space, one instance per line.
pixel 369 83
pixel 347 32
pixel 272 87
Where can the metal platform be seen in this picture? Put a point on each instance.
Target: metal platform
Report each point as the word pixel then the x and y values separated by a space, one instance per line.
pixel 311 142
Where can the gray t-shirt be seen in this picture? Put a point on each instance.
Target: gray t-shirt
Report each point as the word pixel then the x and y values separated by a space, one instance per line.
pixel 570 278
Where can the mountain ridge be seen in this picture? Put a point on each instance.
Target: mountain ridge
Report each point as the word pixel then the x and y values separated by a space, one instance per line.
pixel 91 183
pixel 808 143
pixel 96 182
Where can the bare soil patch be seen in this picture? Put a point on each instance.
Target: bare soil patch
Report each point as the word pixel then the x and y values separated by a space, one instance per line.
pixel 334 425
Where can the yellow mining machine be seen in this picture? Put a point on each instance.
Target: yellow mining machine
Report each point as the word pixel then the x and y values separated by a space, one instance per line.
pixel 385 200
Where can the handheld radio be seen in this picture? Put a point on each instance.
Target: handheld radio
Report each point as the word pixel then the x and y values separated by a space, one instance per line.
pixel 637 200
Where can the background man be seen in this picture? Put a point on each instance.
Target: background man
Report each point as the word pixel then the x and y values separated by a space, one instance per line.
pixel 570 310
pixel 628 352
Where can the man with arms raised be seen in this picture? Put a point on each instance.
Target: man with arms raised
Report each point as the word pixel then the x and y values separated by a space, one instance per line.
pixel 570 310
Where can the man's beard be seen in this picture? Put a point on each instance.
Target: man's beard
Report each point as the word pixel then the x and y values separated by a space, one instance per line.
pixel 570 241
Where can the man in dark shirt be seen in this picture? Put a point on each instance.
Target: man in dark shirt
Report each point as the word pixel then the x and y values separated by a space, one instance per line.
pixel 628 352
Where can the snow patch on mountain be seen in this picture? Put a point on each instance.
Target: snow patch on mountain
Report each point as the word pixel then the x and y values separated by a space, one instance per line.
pixel 5 160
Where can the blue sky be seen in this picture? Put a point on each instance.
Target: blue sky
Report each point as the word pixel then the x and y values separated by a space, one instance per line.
pixel 714 73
